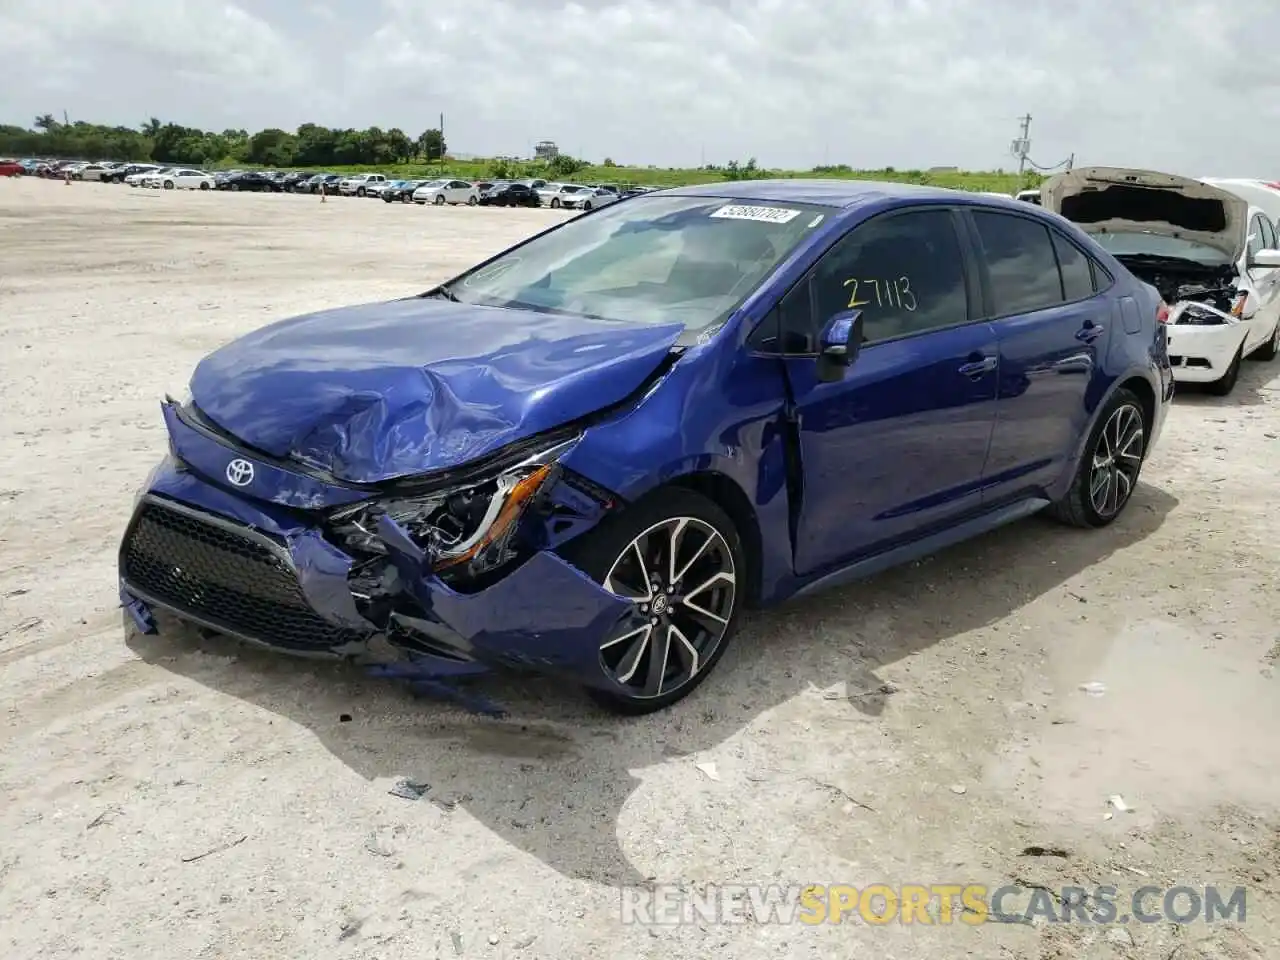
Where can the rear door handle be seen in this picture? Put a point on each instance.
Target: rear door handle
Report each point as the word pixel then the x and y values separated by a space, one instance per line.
pixel 977 368
pixel 1089 332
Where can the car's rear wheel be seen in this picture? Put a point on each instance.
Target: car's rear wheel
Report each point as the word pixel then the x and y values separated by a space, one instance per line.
pixel 1269 349
pixel 204 186
pixel 234 186
pixel 360 191
pixel 439 200
pixel 1227 382
pixel 555 203
pixel 677 556
pixel 472 200
pixel 1109 470
pixel 168 184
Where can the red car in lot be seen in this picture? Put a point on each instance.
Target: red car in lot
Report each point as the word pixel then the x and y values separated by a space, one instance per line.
pixel 11 168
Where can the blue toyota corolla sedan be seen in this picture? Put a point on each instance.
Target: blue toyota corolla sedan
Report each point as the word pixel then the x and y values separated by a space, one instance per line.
pixel 589 454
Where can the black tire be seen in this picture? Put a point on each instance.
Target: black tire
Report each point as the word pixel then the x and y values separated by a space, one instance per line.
pixel 1078 507
pixel 1227 382
pixel 204 186
pixel 439 200
pixel 601 550
pixel 385 198
pixel 1269 349
pixel 555 203
pixel 472 200
pixel 234 186
pixel 586 206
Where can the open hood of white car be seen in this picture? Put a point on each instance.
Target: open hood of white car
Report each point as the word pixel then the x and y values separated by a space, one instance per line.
pixel 1116 200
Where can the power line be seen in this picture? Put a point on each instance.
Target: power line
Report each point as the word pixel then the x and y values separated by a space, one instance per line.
pixel 1021 148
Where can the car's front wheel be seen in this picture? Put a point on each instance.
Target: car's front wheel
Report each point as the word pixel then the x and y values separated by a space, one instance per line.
pixel 679 560
pixel 1109 470
pixel 555 203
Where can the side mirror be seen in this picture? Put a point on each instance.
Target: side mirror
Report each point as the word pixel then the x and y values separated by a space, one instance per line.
pixel 839 344
pixel 1265 258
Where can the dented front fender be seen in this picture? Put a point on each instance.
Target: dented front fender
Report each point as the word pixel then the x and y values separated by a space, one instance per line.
pixel 545 614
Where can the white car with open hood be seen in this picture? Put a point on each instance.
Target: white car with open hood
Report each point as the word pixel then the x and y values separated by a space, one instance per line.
pixel 1214 258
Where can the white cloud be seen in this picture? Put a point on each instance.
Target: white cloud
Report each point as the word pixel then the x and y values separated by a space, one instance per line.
pixel 1187 87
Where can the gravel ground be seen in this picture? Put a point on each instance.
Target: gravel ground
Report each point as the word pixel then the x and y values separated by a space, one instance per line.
pixel 926 726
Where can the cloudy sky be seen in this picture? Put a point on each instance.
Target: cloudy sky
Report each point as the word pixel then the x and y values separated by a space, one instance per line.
pixel 1187 87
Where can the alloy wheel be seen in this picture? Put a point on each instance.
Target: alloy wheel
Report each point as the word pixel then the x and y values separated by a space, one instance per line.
pixel 679 575
pixel 1117 458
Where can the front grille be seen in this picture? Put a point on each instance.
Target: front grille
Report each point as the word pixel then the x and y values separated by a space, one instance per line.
pixel 227 579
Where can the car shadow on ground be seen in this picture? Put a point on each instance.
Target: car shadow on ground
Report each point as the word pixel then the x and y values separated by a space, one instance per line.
pixel 1250 389
pixel 552 779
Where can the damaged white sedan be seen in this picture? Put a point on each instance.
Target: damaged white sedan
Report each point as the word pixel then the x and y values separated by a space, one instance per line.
pixel 1211 255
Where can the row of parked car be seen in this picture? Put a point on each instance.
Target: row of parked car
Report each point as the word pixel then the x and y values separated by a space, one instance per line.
pixel 531 192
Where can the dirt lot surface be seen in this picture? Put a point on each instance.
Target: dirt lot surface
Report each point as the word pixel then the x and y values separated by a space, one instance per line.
pixel 927 726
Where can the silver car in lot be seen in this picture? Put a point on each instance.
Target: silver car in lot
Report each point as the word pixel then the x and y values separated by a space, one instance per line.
pixel 588 198
pixel 440 192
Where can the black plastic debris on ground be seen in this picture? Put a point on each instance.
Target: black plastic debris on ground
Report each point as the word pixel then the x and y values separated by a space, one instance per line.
pixel 408 789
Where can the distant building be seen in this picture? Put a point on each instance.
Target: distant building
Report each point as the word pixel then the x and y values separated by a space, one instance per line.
pixel 546 150
pixel 944 170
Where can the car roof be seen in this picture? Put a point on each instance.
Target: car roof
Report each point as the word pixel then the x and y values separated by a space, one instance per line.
pixel 830 193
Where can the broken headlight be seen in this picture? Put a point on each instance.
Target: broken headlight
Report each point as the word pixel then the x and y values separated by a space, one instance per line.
pixel 470 527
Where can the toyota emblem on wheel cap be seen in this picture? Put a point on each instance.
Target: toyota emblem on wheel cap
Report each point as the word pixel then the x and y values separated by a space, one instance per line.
pixel 240 472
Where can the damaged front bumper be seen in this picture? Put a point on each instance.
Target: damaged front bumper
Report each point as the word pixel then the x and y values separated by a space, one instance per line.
pixel 1202 342
pixel 266 572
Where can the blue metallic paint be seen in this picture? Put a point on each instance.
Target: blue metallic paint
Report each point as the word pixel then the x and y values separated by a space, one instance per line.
pixel 387 390
pixel 414 386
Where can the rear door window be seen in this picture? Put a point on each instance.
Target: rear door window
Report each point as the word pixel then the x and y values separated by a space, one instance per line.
pixel 1021 263
pixel 1077 275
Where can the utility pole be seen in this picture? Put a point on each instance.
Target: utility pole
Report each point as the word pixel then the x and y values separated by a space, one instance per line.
pixel 442 141
pixel 1022 146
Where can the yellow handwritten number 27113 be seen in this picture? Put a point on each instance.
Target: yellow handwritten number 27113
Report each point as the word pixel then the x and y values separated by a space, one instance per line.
pixel 888 293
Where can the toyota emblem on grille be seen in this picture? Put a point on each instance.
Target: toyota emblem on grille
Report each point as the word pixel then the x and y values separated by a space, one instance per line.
pixel 240 472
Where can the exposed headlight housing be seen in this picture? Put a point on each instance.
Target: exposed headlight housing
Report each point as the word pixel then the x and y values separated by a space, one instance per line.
pixel 467 528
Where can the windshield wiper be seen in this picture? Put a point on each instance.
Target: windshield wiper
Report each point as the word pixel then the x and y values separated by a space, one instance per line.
pixel 442 292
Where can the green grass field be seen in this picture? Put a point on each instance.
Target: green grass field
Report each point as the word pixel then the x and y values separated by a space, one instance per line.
pixel 998 181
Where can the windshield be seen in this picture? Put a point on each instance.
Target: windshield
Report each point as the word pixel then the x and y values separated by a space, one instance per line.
pixel 651 261
pixel 432 184
pixel 1156 245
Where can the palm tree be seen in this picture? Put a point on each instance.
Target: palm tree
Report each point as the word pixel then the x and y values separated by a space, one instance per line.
pixel 45 122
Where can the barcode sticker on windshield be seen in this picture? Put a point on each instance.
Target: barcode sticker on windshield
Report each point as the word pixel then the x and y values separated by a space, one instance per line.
pixel 762 214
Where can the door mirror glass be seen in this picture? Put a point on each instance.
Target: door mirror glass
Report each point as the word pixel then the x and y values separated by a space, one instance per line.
pixel 839 344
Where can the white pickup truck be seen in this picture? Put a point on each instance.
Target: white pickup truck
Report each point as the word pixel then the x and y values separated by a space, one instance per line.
pixel 358 186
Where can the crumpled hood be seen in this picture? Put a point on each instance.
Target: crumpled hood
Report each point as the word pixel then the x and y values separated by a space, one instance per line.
pixel 386 390
pixel 1116 200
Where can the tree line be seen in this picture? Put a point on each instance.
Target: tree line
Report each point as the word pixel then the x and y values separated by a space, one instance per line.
pixel 311 145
